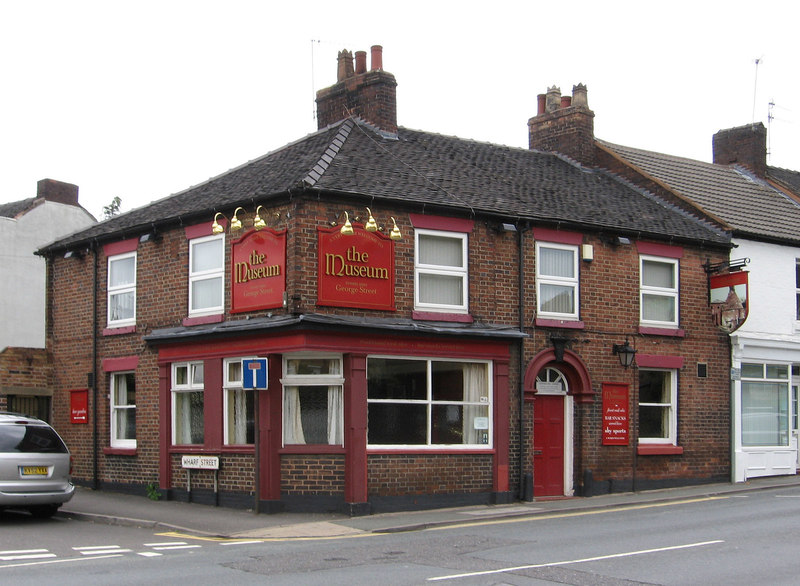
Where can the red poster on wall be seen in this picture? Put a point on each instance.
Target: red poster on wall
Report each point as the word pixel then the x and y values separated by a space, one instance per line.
pixel 355 270
pixel 79 406
pixel 258 270
pixel 615 414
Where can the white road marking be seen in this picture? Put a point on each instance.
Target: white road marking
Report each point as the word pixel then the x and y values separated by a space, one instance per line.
pixel 149 554
pixel 61 561
pixel 578 561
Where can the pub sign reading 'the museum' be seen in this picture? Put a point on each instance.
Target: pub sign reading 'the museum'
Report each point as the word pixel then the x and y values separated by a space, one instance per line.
pixel 355 270
pixel 258 270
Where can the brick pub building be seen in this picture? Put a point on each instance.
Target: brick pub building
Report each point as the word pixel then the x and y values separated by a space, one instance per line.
pixel 375 318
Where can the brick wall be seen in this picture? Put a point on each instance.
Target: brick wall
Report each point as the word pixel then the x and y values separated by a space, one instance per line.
pixel 312 475
pixel 422 474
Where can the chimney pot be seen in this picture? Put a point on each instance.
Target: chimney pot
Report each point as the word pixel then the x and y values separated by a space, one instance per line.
pixel 345 65
pixel 361 62
pixel 579 96
pixel 540 101
pixel 553 99
pixel 566 101
pixel 377 57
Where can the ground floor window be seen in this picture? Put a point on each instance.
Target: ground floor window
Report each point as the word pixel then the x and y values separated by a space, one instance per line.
pixel 658 391
pixel 427 402
pixel 187 403
pixel 313 410
pixel 123 410
pixel 765 404
pixel 239 406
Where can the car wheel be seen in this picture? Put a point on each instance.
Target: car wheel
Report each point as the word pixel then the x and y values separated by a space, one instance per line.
pixel 43 511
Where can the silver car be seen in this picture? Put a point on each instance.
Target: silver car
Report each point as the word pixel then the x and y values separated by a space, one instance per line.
pixel 35 466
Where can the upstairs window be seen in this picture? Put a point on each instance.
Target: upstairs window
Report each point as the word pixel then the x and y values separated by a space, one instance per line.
pixel 557 280
pixel 122 289
pixel 188 403
pixel 797 288
pixel 659 291
pixel 206 275
pixel 440 271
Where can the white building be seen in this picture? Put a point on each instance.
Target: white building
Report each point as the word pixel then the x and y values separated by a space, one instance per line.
pixel 759 206
pixel 26 226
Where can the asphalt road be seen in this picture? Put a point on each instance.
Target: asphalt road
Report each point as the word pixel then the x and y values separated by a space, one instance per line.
pixel 741 538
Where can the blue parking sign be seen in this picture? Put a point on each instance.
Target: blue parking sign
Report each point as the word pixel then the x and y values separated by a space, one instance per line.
pixel 254 373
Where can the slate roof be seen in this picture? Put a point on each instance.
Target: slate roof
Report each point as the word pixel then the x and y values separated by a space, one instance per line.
pixel 748 204
pixel 420 168
pixel 786 178
pixel 14 209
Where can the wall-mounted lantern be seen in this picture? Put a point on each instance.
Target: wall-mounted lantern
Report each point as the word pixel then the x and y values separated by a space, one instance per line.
pixel 625 353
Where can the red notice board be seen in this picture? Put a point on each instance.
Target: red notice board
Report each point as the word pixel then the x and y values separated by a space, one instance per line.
pixel 79 406
pixel 615 414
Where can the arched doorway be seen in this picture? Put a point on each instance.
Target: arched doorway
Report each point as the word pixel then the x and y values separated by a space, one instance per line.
pixel 552 435
pixel 554 386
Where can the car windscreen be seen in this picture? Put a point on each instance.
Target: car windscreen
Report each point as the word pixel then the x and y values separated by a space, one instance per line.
pixel 30 438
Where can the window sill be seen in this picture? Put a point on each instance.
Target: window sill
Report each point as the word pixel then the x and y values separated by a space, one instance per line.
pixel 119 451
pixel 119 330
pixel 203 319
pixel 312 449
pixel 656 331
pixel 559 323
pixel 433 316
pixel 659 450
pixel 433 450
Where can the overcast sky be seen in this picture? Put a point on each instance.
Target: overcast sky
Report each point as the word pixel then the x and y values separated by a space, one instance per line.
pixel 142 99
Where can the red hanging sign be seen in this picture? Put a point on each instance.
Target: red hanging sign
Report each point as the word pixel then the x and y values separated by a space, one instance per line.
pixel 355 270
pixel 729 300
pixel 615 414
pixel 258 270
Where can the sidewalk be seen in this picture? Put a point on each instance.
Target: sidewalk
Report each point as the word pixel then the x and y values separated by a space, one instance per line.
pixel 209 521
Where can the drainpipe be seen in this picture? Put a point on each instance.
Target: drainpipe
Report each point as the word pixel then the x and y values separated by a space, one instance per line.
pixel 521 359
pixel 93 374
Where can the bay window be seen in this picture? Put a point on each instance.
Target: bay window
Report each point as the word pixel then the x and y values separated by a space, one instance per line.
pixel 206 275
pixel 557 280
pixel 440 271
pixel 238 406
pixel 417 402
pixel 122 289
pixel 659 291
pixel 313 412
pixel 187 403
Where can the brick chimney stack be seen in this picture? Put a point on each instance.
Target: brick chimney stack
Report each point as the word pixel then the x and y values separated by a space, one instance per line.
pixel 57 191
pixel 564 124
pixel 370 95
pixel 743 145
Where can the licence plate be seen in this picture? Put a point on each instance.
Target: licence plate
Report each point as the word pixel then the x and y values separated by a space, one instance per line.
pixel 34 470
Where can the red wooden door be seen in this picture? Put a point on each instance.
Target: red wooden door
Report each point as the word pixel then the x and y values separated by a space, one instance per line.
pixel 548 445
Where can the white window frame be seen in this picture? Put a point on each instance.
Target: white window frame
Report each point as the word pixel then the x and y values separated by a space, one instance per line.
pixel 189 387
pixel 797 288
pixel 666 292
pixel 207 275
pixel 231 386
pixel 116 441
pixel 777 375
pixel 430 402
pixel 460 272
pixel 671 406
pixel 116 290
pixel 559 281
pixel 305 380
